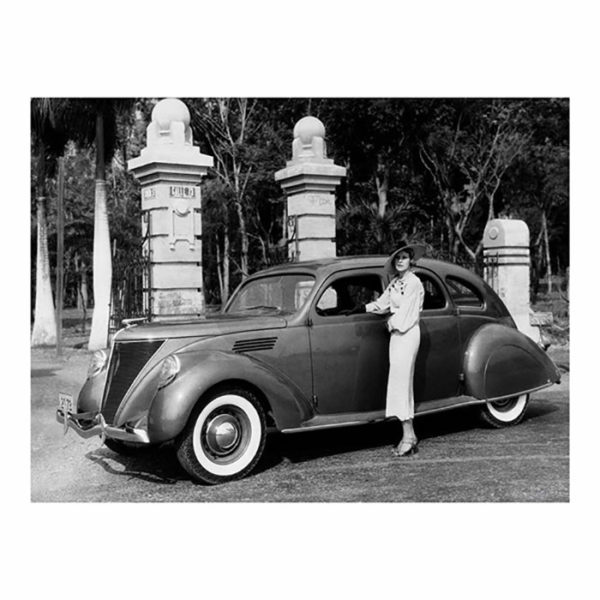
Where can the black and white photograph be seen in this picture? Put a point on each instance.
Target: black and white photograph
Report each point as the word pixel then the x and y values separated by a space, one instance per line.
pixel 303 296
pixel 281 299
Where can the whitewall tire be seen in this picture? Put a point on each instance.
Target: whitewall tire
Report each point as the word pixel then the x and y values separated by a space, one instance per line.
pixel 503 413
pixel 224 438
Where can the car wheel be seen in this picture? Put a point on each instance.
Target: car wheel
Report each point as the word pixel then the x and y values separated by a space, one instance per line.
pixel 224 438
pixel 126 448
pixel 503 413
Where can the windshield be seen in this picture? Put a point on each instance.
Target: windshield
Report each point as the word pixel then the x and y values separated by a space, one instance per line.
pixel 281 293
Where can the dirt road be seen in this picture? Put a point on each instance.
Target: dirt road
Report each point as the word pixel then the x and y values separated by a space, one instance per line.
pixel 459 460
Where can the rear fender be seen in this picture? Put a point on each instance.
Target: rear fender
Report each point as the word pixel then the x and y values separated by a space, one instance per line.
pixel 500 362
pixel 201 371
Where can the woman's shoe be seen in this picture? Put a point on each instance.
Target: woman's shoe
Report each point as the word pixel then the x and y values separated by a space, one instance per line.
pixel 406 448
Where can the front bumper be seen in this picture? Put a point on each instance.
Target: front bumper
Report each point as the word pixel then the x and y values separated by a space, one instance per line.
pixel 90 424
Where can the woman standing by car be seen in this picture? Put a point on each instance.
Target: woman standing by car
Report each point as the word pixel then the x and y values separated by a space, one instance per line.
pixel 403 301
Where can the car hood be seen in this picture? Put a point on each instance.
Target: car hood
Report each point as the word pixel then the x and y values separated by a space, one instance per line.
pixel 211 326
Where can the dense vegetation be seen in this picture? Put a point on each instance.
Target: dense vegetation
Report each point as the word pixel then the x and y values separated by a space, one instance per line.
pixel 434 170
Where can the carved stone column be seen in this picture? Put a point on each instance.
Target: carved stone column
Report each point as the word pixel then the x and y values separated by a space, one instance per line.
pixel 170 170
pixel 309 181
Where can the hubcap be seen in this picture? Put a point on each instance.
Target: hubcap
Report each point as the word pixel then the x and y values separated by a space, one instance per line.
pixel 506 404
pixel 222 434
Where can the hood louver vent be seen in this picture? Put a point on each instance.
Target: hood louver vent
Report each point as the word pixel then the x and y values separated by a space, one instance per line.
pixel 255 344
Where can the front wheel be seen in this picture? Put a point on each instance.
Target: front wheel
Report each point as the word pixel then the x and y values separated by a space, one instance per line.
pixel 503 413
pixel 224 438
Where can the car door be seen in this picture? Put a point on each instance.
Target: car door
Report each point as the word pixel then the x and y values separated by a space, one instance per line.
pixel 439 360
pixel 349 352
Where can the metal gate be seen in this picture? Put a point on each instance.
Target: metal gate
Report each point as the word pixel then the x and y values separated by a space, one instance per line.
pixel 131 285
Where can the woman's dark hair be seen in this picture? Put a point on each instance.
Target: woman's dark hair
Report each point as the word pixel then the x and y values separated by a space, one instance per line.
pixel 409 251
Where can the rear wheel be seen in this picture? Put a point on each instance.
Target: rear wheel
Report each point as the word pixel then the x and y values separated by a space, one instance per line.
pixel 506 412
pixel 224 438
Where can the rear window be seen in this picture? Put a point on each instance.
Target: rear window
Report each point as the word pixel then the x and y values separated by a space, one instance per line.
pixel 463 293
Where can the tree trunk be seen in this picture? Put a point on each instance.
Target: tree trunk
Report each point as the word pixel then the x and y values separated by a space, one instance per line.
pixel 382 179
pixel 244 239
pixel 82 287
pixel 225 292
pixel 82 299
pixel 547 253
pixel 102 262
pixel 348 179
pixel 491 214
pixel 44 323
pixel 219 268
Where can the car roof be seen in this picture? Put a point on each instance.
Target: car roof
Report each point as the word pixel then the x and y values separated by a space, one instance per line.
pixel 326 266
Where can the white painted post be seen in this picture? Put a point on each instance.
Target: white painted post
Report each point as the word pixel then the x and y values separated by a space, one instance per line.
pixel 170 170
pixel 309 181
pixel 506 269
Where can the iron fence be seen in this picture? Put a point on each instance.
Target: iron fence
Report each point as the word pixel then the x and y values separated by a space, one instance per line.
pixel 130 298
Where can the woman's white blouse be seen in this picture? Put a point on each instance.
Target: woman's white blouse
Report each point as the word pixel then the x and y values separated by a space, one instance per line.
pixel 403 298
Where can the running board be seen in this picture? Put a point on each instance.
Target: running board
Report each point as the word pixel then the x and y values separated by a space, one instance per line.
pixel 441 404
pixel 339 420
pixel 374 416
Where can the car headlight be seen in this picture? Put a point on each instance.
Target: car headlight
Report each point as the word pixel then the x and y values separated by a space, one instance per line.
pixel 97 362
pixel 168 370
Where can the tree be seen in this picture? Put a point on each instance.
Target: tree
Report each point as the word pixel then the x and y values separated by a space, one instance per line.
pixel 226 124
pixel 246 138
pixel 467 152
pixel 94 121
pixel 368 137
pixel 381 197
pixel 48 141
pixel 537 189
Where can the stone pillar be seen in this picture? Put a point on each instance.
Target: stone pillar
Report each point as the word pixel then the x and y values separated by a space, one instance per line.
pixel 309 181
pixel 170 169
pixel 506 269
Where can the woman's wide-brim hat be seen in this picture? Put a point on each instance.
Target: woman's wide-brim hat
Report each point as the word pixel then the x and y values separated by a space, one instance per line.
pixel 418 251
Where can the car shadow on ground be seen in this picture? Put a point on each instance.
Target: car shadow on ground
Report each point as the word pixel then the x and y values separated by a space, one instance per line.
pixel 42 372
pixel 537 409
pixel 306 446
pixel 160 465
pixel 310 445
pixel 154 465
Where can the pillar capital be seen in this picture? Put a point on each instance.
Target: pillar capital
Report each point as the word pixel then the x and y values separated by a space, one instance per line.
pixel 303 177
pixel 169 154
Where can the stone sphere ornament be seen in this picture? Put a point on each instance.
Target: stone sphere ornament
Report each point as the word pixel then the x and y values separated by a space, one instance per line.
pixel 308 128
pixel 168 110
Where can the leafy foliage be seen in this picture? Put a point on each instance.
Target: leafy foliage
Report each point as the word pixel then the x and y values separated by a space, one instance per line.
pixel 433 170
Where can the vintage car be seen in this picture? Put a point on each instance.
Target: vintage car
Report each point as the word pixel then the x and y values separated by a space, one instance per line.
pixel 285 355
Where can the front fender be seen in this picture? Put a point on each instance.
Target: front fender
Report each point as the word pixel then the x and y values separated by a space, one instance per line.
pixel 90 395
pixel 202 370
pixel 501 361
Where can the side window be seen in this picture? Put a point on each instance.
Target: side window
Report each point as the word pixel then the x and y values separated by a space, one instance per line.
pixel 464 293
pixel 434 296
pixel 348 292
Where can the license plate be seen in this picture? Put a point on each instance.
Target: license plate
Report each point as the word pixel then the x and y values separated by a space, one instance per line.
pixel 65 403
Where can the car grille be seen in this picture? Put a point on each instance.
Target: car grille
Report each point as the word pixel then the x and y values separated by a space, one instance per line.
pixel 128 359
pixel 254 344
